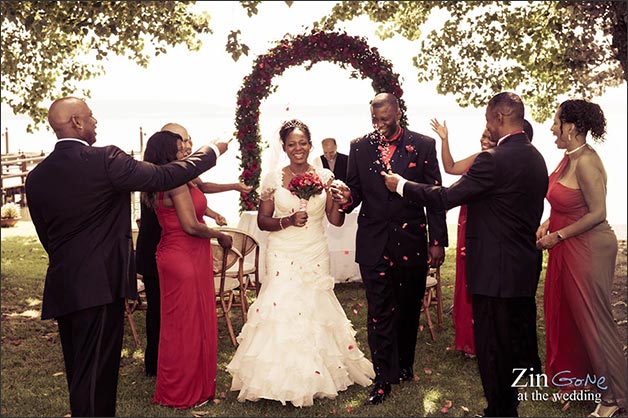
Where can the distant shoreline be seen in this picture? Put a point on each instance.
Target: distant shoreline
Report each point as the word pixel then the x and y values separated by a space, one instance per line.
pixel 25 228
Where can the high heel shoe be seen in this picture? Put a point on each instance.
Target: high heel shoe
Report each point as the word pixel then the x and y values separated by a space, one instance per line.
pixel 604 410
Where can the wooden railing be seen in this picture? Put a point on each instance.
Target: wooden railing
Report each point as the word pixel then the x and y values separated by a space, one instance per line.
pixel 16 166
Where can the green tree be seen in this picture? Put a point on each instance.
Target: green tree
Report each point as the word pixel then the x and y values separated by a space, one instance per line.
pixel 541 49
pixel 49 46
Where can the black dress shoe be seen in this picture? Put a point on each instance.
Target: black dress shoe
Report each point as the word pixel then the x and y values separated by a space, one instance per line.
pixel 379 393
pixel 406 375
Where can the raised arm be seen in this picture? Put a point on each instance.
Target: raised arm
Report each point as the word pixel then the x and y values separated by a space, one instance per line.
pixel 450 166
pixel 207 187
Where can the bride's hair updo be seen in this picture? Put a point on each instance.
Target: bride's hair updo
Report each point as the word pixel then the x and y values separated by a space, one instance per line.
pixel 290 125
pixel 587 116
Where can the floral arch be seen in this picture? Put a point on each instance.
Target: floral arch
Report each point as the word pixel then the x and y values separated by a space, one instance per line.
pixel 308 49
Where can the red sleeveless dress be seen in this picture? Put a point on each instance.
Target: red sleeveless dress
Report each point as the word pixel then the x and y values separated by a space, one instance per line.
pixel 186 367
pixel 463 310
pixel 581 336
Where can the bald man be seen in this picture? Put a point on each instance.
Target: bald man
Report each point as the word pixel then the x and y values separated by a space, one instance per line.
pixel 80 203
pixel 146 247
pixel 334 160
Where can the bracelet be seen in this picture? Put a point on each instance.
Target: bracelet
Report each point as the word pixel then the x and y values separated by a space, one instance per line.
pixel 280 225
pixel 560 237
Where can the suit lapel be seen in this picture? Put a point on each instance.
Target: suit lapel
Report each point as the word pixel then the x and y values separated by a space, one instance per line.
pixel 372 146
pixel 403 153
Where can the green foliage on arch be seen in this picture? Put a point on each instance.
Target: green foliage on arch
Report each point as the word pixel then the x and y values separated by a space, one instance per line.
pixel 305 49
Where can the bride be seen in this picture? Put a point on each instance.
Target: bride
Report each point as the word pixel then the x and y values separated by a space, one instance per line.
pixel 297 344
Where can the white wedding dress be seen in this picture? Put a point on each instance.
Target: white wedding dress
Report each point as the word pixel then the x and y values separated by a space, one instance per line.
pixel 297 343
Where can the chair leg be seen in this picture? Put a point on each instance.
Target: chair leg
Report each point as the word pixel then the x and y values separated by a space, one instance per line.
pixel 129 308
pixel 226 308
pixel 230 329
pixel 439 305
pixel 427 301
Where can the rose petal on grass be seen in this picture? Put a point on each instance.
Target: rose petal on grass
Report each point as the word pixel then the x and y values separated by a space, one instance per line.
pixel 427 371
pixel 444 410
pixel 448 403
pixel 57 374
pixel 464 408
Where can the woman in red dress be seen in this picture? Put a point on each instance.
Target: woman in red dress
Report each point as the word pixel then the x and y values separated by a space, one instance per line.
pixel 581 336
pixel 187 360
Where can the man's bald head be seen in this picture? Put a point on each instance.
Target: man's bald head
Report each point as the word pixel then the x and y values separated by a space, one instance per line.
pixel 71 117
pixel 180 130
pixel 385 99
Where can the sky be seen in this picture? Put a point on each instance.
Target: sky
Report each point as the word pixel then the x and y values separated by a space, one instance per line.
pixel 199 89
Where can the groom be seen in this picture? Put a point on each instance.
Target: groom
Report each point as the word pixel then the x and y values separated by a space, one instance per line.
pixel 391 242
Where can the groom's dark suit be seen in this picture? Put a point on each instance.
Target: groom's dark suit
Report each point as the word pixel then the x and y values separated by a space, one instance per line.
pixel 504 191
pixel 80 203
pixel 392 246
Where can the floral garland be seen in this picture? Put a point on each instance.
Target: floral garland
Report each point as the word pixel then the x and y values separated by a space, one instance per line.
pixel 311 48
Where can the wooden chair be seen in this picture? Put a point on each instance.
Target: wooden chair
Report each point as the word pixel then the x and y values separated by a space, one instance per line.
pixel 226 286
pixel 433 298
pixel 249 247
pixel 139 304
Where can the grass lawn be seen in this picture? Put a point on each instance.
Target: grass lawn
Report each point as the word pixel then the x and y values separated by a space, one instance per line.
pixel 33 379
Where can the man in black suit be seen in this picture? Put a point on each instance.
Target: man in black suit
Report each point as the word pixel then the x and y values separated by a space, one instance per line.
pixel 392 248
pixel 80 203
pixel 333 160
pixel 504 191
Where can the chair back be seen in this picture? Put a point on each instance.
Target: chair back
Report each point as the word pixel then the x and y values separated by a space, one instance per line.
pixel 242 240
pixel 224 259
pixel 249 247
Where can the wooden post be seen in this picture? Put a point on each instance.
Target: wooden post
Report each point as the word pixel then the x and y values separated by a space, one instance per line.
pixel 141 143
pixel 6 140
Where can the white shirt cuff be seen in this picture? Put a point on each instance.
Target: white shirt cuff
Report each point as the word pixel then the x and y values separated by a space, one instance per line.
pixel 400 185
pixel 215 148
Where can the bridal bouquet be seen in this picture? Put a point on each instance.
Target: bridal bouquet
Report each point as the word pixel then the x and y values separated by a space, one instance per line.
pixel 304 186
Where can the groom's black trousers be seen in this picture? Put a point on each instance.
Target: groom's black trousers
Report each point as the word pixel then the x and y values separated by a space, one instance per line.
pixel 394 295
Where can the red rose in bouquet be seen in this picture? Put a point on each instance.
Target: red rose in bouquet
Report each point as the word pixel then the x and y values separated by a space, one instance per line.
pixel 304 186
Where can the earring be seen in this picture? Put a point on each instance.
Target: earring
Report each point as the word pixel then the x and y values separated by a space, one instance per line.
pixel 569 137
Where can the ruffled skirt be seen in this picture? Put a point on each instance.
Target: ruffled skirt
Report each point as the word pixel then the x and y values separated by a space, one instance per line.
pixel 297 344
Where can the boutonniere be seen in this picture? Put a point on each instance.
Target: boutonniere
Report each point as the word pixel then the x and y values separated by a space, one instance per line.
pixel 412 164
pixel 410 148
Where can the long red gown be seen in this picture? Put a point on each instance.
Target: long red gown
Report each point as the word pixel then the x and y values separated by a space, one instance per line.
pixel 463 310
pixel 581 335
pixel 188 344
